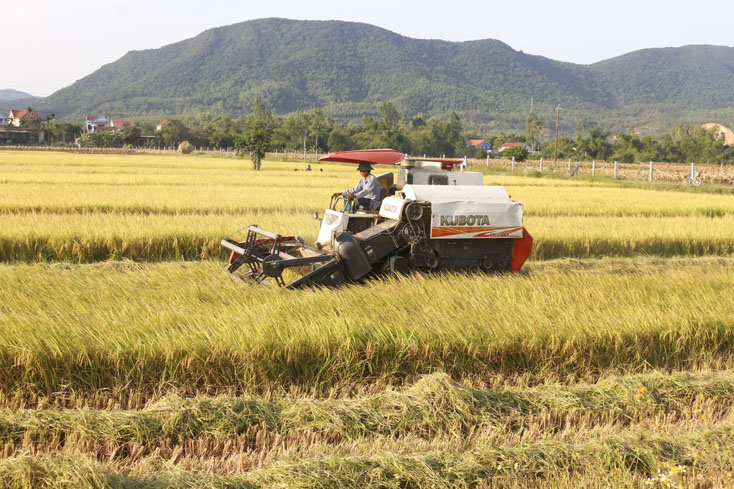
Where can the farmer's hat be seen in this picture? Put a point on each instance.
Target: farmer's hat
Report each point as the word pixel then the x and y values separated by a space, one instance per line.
pixel 364 167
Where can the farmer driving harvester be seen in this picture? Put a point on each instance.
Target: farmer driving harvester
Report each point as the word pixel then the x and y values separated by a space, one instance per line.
pixel 367 192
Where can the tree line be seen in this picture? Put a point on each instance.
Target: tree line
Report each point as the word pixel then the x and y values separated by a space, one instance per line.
pixel 684 144
pixel 312 131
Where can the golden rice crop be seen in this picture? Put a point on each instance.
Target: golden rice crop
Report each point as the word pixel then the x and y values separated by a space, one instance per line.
pixel 61 182
pixel 102 236
pixel 289 193
pixel 579 372
pixel 135 329
pixel 95 207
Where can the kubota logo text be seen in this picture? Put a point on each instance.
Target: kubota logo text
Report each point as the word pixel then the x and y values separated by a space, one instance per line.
pixel 476 220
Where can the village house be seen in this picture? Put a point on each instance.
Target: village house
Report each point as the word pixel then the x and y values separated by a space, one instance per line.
pixel 479 143
pixel 118 124
pixel 105 124
pixel 161 124
pixel 95 123
pixel 3 120
pixel 16 116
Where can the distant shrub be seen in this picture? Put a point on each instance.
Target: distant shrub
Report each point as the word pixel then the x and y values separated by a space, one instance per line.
pixel 519 152
pixel 185 147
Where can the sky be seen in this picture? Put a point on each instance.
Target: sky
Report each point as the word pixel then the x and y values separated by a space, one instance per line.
pixel 53 43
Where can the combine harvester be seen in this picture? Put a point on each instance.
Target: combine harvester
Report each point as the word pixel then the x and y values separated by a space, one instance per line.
pixel 434 218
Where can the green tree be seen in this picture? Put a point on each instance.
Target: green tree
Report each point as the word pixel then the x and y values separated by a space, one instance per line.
pixel 174 132
pixel 595 146
pixel 419 120
pixel 290 134
pixel 533 126
pixel 317 126
pixel 422 141
pixel 698 145
pixel 339 139
pixel 389 116
pixel 669 149
pixel 580 130
pixel 106 139
pixel 626 148
pixel 218 130
pixel 263 114
pixel 255 140
pixel 367 134
pixel 67 132
pixel 650 150
pixel 518 152
pixel 130 135
pixel 566 148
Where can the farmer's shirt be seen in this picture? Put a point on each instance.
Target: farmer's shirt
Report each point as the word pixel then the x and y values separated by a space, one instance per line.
pixel 366 188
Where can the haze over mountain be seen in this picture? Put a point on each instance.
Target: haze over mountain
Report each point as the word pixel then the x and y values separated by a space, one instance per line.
pixel 9 95
pixel 349 69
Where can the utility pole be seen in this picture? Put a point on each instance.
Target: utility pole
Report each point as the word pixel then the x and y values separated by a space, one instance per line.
pixel 532 148
pixel 555 151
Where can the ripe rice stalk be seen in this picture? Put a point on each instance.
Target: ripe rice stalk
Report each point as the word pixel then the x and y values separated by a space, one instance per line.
pixel 188 327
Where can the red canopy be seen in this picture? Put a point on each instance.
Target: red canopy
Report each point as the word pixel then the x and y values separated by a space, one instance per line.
pixel 372 156
pixel 382 157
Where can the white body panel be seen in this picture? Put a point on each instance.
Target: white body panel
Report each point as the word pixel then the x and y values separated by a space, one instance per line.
pixel 392 207
pixel 448 193
pixel 454 178
pixel 469 212
pixel 464 220
pixel 333 222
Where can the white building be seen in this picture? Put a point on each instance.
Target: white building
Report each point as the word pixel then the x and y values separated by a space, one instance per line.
pixel 94 122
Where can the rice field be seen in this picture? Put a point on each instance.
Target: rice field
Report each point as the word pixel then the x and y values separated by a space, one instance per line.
pixel 128 359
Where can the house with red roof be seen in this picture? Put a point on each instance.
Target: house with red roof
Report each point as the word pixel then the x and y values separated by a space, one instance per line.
pixel 118 124
pixel 479 143
pixel 510 145
pixel 161 124
pixel 93 122
pixel 16 116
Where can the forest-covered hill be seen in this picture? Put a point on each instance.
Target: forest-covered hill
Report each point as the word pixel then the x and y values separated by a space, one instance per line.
pixel 8 94
pixel 349 69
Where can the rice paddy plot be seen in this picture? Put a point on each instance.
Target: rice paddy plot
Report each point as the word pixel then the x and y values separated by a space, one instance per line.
pixel 606 363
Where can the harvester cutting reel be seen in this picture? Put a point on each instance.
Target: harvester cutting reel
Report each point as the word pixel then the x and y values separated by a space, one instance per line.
pixel 267 254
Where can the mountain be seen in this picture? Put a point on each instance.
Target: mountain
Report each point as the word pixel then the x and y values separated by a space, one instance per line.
pixel 14 99
pixel 8 95
pixel 700 76
pixel 349 69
